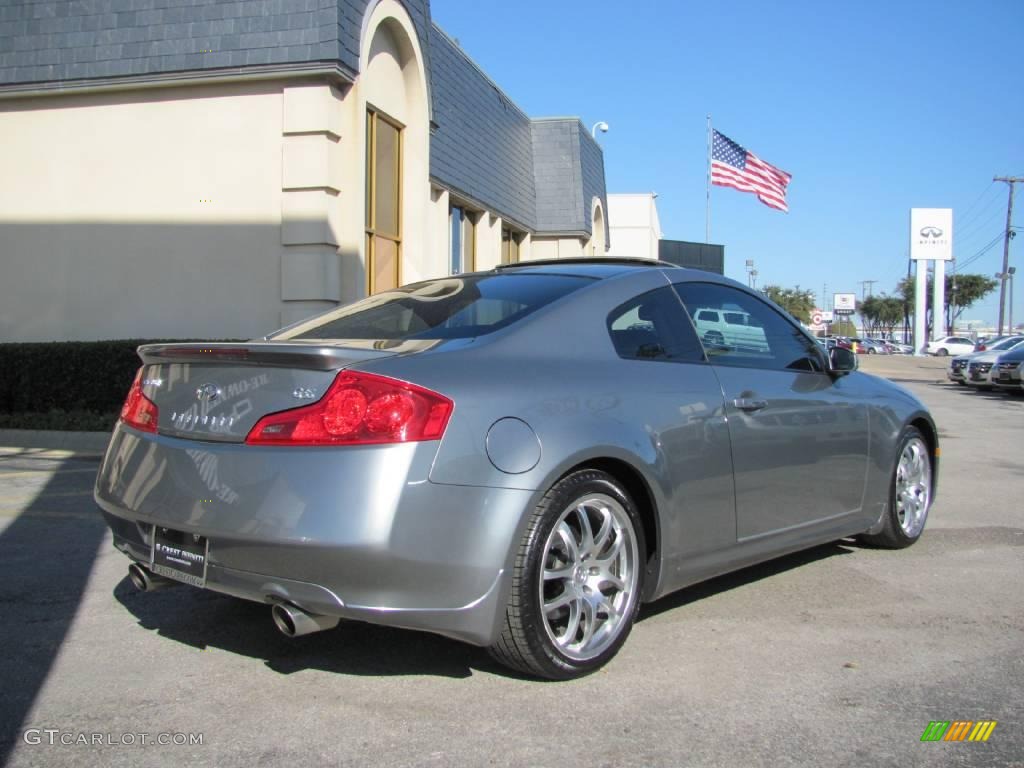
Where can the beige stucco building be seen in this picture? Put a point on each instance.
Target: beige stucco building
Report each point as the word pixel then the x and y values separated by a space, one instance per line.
pixel 177 173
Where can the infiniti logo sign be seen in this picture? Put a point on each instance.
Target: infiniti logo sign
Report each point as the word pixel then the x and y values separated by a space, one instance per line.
pixel 933 232
pixel 208 393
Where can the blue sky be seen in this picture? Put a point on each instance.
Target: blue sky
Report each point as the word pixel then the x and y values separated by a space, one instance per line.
pixel 873 107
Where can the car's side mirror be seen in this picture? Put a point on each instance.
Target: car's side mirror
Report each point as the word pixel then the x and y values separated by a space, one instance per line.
pixel 842 361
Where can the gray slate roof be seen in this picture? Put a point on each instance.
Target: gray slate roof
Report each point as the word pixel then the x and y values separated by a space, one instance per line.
pixel 480 147
pixel 540 175
pixel 57 40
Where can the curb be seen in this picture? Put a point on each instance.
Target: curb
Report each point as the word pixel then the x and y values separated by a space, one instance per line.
pixel 78 442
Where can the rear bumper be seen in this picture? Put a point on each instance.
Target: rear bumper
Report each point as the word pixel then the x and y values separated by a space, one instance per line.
pixel 353 532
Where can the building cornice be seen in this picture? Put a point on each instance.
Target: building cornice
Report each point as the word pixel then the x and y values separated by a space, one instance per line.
pixel 332 71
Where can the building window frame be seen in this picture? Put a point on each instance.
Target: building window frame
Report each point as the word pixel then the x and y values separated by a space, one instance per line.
pixel 462 223
pixel 511 245
pixel 375 234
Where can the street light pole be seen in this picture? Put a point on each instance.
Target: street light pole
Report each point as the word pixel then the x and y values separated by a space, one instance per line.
pixel 1007 236
pixel 601 126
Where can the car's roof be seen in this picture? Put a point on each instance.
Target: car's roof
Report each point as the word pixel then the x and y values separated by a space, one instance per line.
pixel 598 267
pixel 595 267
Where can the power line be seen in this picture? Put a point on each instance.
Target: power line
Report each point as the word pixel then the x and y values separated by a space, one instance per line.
pixel 991 184
pixel 966 217
pixel 985 249
pixel 964 233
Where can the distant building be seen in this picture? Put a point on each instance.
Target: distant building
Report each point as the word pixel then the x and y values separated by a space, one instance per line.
pixel 706 256
pixel 219 169
pixel 634 229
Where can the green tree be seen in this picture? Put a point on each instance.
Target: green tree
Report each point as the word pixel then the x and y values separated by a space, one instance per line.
pixel 881 313
pixel 868 310
pixel 962 291
pixel 798 302
pixel 843 327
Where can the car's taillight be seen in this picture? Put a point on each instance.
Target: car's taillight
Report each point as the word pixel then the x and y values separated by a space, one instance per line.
pixel 359 409
pixel 138 410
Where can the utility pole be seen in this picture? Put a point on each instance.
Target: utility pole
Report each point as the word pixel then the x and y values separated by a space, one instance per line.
pixel 865 287
pixel 1007 236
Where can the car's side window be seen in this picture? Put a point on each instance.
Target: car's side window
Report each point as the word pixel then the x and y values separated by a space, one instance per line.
pixel 747 331
pixel 653 326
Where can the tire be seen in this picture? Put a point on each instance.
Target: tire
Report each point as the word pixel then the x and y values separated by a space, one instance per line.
pixel 942 352
pixel 714 338
pixel 565 619
pixel 910 494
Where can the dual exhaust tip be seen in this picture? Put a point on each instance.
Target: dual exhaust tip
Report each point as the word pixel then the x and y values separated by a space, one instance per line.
pixel 290 620
pixel 145 580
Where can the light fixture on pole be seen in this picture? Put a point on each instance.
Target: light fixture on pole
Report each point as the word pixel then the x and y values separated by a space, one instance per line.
pixel 751 273
pixel 601 126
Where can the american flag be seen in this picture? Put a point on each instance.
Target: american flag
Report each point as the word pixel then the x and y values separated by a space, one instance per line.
pixel 733 166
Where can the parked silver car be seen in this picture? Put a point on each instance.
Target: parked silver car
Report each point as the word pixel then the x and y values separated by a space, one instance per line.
pixel 515 458
pixel 958 366
pixel 981 367
pixel 1008 372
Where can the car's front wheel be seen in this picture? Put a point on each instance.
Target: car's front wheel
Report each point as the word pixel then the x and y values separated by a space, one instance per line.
pixel 576 581
pixel 941 352
pixel 910 494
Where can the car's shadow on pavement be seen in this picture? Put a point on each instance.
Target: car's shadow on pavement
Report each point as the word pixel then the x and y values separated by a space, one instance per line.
pixel 729 581
pixel 203 619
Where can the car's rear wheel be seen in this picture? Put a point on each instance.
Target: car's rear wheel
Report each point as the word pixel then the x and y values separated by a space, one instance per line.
pixel 910 494
pixel 576 581
pixel 715 338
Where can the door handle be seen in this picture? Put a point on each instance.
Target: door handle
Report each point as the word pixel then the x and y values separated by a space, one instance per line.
pixel 745 404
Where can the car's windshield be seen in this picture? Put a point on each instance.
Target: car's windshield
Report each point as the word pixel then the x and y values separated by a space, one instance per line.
pixel 448 308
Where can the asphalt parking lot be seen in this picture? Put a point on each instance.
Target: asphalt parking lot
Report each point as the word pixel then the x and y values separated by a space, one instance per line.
pixel 837 656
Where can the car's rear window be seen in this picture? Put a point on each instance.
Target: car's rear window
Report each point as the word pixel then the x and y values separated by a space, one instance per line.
pixel 448 308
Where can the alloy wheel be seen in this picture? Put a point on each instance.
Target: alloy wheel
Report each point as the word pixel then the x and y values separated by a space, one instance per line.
pixel 588 584
pixel 913 486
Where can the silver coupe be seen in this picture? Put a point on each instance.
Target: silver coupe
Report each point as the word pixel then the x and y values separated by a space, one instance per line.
pixel 516 458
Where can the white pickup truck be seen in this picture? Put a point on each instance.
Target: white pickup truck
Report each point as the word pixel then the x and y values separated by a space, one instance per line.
pixel 730 328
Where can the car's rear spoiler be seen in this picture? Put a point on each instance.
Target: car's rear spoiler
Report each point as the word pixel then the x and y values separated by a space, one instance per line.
pixel 318 357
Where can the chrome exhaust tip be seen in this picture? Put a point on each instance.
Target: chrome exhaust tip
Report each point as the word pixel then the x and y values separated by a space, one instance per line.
pixel 145 580
pixel 292 621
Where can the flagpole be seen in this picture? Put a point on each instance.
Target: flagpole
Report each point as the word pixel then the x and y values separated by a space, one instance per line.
pixel 707 200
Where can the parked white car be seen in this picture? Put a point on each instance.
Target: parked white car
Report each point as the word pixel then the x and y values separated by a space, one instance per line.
pixel 950 345
pixel 730 328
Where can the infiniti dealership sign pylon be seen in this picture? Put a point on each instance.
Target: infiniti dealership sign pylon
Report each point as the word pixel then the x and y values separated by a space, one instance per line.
pixel 931 239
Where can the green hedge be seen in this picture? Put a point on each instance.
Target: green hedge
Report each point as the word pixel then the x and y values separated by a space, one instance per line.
pixel 66 384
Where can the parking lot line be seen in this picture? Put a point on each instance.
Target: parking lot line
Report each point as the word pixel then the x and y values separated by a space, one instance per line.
pixel 23 472
pixel 46 453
